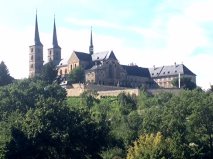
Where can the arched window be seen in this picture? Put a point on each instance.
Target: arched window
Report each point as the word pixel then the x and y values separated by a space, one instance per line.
pixel 65 71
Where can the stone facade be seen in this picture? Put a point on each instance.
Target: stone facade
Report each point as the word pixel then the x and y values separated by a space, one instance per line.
pixel 103 68
pixel 164 75
pixel 35 54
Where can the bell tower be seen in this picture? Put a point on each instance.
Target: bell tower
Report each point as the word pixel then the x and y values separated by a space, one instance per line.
pixel 54 53
pixel 36 54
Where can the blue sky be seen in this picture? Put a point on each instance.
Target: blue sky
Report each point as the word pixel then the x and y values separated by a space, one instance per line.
pixel 151 32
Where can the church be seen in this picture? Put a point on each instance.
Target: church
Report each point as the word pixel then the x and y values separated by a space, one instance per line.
pixel 103 68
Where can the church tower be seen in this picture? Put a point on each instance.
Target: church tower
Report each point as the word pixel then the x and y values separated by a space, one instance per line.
pixel 36 54
pixel 91 44
pixel 54 53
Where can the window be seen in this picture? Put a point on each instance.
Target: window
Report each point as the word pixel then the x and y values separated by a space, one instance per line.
pixel 31 49
pixel 31 66
pixel 65 71
pixel 31 57
pixel 71 67
pixel 60 72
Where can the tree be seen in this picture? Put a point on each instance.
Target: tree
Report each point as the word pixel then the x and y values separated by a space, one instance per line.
pixel 185 83
pixel 76 75
pixel 149 146
pixel 49 73
pixel 89 98
pixel 201 124
pixel 5 77
pixel 39 124
pixel 23 95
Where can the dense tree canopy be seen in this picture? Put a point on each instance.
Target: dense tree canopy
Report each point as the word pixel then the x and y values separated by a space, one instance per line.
pixel 5 77
pixel 37 120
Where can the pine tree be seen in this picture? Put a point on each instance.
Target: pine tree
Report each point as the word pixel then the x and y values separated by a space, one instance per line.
pixel 5 77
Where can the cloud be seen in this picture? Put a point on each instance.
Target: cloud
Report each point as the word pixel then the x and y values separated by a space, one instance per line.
pixel 200 11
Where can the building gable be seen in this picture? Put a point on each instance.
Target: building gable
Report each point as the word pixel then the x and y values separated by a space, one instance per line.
pixel 172 70
pixel 102 56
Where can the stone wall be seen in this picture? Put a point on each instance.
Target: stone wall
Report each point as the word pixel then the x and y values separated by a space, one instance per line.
pixel 117 92
pixel 77 89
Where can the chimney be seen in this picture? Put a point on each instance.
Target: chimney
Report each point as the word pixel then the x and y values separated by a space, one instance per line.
pixel 175 64
pixel 154 67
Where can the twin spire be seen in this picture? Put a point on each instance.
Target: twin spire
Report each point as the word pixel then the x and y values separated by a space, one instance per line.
pixel 55 40
pixel 37 37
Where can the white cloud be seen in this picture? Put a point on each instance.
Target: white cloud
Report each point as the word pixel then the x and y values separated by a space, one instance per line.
pixel 200 11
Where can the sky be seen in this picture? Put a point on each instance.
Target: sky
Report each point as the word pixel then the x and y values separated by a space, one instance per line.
pixel 144 32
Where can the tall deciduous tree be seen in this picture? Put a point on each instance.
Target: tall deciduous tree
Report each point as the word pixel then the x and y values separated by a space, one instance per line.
pixel 76 75
pixel 5 77
pixel 49 72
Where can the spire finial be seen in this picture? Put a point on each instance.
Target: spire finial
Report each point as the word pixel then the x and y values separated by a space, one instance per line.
pixel 91 43
pixel 37 38
pixel 55 40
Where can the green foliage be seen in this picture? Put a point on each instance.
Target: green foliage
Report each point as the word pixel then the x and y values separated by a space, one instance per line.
pixel 127 102
pixel 185 83
pixel 76 75
pixel 89 98
pixel 48 73
pixel 36 123
pixel 24 94
pixel 5 77
pixel 113 153
pixel 149 146
pixel 37 120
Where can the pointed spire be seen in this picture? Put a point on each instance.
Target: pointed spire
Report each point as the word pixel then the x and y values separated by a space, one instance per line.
pixel 55 40
pixel 91 44
pixel 37 38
